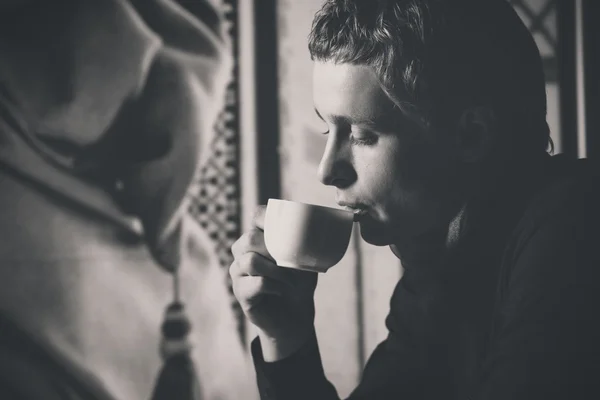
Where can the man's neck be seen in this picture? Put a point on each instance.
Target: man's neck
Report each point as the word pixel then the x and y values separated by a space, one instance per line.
pixel 478 210
pixel 427 251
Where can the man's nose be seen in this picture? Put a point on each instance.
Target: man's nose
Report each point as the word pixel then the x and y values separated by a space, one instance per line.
pixel 336 167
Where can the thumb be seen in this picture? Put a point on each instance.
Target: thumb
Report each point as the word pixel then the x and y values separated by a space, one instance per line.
pixel 259 217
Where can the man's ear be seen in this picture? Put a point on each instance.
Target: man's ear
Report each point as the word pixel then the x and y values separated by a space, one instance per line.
pixel 476 133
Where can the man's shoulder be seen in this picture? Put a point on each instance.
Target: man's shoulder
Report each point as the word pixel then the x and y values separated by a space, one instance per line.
pixel 553 249
pixel 569 189
pixel 563 212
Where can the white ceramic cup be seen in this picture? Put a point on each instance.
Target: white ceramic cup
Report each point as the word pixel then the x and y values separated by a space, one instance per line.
pixel 306 236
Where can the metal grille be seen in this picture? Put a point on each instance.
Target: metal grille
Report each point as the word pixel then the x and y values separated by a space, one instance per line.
pixel 540 17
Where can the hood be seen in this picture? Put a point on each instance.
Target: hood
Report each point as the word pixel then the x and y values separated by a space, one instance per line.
pixel 113 102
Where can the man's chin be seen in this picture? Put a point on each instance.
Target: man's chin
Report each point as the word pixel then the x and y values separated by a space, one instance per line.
pixel 374 234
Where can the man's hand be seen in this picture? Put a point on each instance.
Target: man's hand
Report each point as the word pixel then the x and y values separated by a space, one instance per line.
pixel 278 301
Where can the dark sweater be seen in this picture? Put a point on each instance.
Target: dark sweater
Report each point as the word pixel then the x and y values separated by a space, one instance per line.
pixel 510 314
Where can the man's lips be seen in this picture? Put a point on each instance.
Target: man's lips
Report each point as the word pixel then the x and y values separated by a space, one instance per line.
pixel 358 209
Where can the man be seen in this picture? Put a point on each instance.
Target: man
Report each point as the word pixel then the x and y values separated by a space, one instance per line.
pixel 105 109
pixel 437 138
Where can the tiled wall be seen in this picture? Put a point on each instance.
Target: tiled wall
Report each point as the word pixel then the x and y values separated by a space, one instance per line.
pixel 215 192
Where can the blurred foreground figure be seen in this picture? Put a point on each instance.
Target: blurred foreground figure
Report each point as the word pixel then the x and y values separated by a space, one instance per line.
pixel 437 139
pixel 105 110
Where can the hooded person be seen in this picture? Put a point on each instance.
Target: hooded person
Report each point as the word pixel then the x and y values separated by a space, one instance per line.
pixel 106 111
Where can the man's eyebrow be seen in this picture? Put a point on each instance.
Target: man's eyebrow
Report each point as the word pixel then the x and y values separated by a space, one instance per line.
pixel 344 120
pixel 365 121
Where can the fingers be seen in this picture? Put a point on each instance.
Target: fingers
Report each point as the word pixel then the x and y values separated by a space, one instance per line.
pixel 254 264
pixel 254 239
pixel 251 241
pixel 249 289
pixel 254 276
pixel 252 260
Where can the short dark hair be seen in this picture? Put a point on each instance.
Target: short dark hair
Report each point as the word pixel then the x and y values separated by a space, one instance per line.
pixel 440 57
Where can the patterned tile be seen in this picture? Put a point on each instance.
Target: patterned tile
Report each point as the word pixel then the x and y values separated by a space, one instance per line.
pixel 215 192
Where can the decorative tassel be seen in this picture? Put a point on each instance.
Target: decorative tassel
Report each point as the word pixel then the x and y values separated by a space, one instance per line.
pixel 178 379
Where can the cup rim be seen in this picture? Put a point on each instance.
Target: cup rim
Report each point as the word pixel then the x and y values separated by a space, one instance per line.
pixel 275 200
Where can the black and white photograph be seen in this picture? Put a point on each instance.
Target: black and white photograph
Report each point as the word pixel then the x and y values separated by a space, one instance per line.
pixel 299 199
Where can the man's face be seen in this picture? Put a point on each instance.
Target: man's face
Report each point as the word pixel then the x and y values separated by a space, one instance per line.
pixel 399 175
